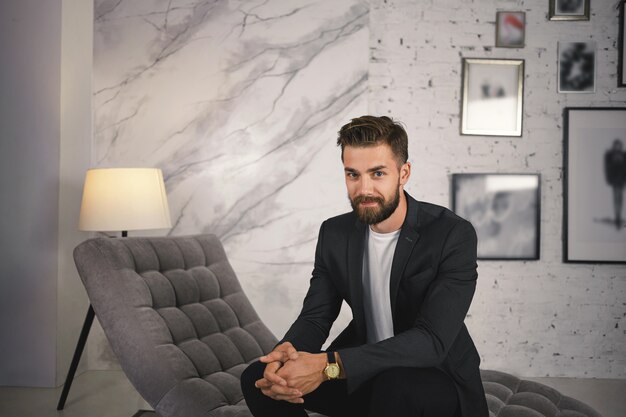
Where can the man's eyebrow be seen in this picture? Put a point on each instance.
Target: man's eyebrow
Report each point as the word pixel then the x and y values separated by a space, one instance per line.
pixel 377 168
pixel 373 169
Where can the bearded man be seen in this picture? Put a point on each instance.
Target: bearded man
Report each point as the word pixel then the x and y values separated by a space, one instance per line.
pixel 407 269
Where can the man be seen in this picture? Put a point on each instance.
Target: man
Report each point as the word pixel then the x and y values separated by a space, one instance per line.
pixel 407 269
pixel 615 173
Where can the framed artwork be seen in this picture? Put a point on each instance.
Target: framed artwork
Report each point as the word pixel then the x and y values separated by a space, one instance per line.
pixel 569 9
pixel 505 211
pixel 594 183
pixel 493 91
pixel 577 67
pixel 510 29
pixel 621 66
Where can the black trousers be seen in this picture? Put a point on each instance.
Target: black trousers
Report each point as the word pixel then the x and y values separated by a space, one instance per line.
pixel 397 392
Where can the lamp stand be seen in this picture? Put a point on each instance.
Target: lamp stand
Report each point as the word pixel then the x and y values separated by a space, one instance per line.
pixel 77 354
pixel 80 346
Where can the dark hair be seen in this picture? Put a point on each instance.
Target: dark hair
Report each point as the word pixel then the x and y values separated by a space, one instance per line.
pixel 371 131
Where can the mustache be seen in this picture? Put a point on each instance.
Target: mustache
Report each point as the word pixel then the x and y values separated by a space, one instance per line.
pixel 367 199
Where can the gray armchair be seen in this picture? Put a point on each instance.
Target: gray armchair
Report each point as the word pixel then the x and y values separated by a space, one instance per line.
pixel 184 331
pixel 176 318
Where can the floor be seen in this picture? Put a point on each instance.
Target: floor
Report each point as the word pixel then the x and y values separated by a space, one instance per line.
pixel 109 394
pixel 93 394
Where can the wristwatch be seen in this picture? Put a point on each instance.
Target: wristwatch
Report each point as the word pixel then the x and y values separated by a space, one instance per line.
pixel 332 370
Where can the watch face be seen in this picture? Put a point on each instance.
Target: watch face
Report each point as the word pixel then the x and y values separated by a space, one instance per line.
pixel 332 370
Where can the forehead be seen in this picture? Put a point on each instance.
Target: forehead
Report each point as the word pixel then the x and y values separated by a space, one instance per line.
pixel 359 157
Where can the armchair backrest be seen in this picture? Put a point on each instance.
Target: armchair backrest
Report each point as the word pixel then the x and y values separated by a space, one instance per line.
pixel 176 318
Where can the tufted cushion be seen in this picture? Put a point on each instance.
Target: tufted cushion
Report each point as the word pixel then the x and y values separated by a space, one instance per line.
pixel 177 319
pixel 509 396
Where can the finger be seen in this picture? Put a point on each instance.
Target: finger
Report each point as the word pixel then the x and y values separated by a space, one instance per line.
pixel 282 353
pixel 298 400
pixel 285 392
pixel 273 357
pixel 263 384
pixel 292 353
pixel 268 393
pixel 281 397
pixel 291 399
pixel 289 350
pixel 271 376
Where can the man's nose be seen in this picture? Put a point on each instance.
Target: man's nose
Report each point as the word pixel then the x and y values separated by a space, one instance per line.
pixel 366 186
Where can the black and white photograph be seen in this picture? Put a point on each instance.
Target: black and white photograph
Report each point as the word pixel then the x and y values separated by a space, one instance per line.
pixel 504 209
pixel 595 170
pixel 621 66
pixel 510 29
pixel 569 9
pixel 577 67
pixel 493 92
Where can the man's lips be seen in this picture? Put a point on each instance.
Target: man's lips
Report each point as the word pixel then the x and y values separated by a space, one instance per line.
pixel 369 203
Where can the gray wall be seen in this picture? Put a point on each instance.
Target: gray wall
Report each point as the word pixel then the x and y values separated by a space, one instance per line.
pixel 76 63
pixel 45 148
pixel 30 40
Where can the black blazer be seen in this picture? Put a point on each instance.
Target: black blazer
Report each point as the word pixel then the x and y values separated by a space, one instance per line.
pixel 433 278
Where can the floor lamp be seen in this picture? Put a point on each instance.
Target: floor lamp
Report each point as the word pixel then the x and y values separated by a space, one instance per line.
pixel 118 199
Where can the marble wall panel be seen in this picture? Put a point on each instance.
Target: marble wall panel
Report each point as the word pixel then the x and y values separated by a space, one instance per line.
pixel 239 103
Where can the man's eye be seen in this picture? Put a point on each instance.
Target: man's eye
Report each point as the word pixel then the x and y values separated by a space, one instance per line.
pixel 379 174
pixel 351 175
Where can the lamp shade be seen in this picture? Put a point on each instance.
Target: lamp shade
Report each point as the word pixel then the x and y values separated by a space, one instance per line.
pixel 117 199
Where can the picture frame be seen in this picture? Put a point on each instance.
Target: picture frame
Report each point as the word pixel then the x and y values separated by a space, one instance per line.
pixel 492 102
pixel 621 65
pixel 505 210
pixel 576 71
pixel 594 175
pixel 510 29
pixel 569 10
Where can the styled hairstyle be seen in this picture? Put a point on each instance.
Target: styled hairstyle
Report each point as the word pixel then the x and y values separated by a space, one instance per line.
pixel 371 131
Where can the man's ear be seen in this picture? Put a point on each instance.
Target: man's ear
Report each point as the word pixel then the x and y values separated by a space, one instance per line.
pixel 405 173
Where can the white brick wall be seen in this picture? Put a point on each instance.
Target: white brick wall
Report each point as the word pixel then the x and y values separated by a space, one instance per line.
pixel 532 318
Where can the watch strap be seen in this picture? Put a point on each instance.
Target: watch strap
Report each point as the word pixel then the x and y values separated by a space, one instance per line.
pixel 331 357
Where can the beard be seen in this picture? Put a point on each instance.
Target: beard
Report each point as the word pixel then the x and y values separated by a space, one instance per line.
pixel 375 215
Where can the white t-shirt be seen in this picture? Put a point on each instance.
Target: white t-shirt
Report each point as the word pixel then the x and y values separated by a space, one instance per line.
pixel 377 261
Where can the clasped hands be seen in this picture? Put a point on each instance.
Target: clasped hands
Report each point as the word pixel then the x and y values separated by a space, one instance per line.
pixel 289 374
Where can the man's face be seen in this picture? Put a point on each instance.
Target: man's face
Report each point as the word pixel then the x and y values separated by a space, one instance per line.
pixel 374 181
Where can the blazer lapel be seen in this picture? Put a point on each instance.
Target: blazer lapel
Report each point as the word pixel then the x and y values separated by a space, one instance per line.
pixel 356 245
pixel 406 242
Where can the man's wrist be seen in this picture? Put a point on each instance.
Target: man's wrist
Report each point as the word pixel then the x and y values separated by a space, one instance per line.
pixel 342 374
pixel 332 368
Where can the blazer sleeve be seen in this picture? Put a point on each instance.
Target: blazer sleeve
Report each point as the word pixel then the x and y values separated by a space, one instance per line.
pixel 320 308
pixel 441 316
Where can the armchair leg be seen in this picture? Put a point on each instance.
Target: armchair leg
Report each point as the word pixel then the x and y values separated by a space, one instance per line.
pixel 77 354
